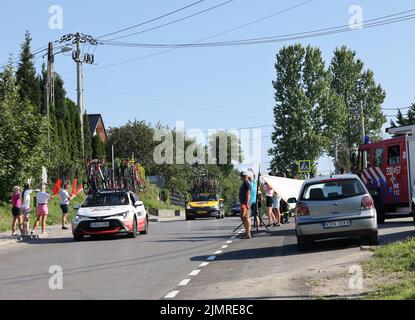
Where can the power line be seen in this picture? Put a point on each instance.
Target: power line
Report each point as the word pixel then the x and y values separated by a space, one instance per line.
pixel 206 38
pixel 151 20
pixel 395 109
pixel 174 21
pixel 381 21
pixel 16 60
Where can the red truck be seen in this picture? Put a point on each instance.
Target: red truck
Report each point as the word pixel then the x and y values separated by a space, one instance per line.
pixel 388 170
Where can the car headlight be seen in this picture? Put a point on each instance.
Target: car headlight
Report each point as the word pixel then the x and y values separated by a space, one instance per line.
pixel 79 217
pixel 188 207
pixel 123 214
pixel 216 208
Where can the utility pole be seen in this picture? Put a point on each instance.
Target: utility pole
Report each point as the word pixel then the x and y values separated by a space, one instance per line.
pixel 79 39
pixel 50 85
pixel 80 89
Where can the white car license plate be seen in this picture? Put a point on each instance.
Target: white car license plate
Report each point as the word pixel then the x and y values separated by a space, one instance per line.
pixel 104 224
pixel 337 224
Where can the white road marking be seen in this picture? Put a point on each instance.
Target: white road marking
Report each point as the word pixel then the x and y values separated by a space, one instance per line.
pixel 185 282
pixel 172 295
pixel 194 273
pixel 229 242
pixel 204 264
pixel 219 252
pixel 233 237
pixel 211 258
pixel 224 247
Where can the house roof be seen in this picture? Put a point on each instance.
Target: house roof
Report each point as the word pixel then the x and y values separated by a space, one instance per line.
pixel 93 120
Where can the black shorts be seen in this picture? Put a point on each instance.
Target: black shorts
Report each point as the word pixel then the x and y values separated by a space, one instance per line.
pixel 269 202
pixel 16 212
pixel 65 208
pixel 253 209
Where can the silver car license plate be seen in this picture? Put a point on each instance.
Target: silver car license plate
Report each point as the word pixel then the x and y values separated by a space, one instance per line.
pixel 337 224
pixel 104 224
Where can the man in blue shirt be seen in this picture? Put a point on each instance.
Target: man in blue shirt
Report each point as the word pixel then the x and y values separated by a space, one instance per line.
pixel 254 192
pixel 245 200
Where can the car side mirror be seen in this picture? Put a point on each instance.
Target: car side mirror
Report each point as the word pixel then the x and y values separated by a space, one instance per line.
pixel 138 204
pixel 292 200
pixel 77 207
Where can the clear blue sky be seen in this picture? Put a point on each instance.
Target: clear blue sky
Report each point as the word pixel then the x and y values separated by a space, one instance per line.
pixel 194 85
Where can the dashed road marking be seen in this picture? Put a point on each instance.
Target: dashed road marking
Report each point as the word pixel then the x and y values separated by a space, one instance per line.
pixel 224 247
pixel 172 295
pixel 229 242
pixel 204 264
pixel 185 282
pixel 219 252
pixel 194 273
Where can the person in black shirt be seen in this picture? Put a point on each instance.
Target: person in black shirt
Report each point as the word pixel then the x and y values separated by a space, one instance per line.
pixel 245 200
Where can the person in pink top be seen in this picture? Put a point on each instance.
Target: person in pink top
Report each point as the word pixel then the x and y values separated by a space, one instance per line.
pixel 270 193
pixel 16 210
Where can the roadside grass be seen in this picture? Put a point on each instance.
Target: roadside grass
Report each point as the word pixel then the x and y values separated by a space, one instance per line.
pixel 393 268
pixel 55 213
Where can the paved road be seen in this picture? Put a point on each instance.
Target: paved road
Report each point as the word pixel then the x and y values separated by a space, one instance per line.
pixel 152 266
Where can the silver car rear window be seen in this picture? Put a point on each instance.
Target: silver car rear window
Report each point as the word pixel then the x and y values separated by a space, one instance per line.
pixel 333 190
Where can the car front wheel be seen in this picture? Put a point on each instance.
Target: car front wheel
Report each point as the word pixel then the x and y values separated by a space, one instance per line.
pixel 145 231
pixel 78 237
pixel 133 234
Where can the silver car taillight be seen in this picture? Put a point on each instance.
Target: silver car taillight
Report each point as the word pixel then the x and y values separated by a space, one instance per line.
pixel 302 209
pixel 367 203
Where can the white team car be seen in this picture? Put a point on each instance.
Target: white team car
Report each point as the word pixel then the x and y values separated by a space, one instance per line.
pixel 109 213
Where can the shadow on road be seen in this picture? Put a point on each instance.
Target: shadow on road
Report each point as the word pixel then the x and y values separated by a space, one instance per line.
pixel 390 224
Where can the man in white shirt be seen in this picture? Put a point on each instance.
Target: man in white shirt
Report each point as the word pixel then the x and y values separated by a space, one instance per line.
pixel 64 199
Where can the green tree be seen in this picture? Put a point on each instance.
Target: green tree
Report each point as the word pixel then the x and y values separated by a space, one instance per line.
pixel 87 138
pixel 404 120
pixel 224 149
pixel 23 136
pixel 28 81
pixel 98 148
pixel 358 91
pixel 307 112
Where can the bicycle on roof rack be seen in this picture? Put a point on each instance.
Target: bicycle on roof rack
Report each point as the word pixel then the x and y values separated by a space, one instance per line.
pixel 129 175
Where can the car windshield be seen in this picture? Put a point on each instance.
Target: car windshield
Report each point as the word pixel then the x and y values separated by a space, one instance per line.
pixel 105 200
pixel 333 190
pixel 205 197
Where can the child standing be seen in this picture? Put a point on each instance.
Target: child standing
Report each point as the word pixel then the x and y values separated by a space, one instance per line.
pixel 26 208
pixel 16 210
pixel 64 199
pixel 42 209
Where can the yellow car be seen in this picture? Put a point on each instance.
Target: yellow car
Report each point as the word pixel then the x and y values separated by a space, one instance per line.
pixel 205 206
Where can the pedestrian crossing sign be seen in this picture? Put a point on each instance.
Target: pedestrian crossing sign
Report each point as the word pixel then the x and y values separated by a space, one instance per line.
pixel 304 166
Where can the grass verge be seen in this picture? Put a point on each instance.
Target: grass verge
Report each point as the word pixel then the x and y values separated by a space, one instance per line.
pixel 392 269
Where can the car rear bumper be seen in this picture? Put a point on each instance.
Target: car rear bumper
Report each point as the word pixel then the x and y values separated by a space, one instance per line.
pixel 360 226
pixel 203 213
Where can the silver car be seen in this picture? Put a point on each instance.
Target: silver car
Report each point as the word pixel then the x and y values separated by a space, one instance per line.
pixel 335 207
